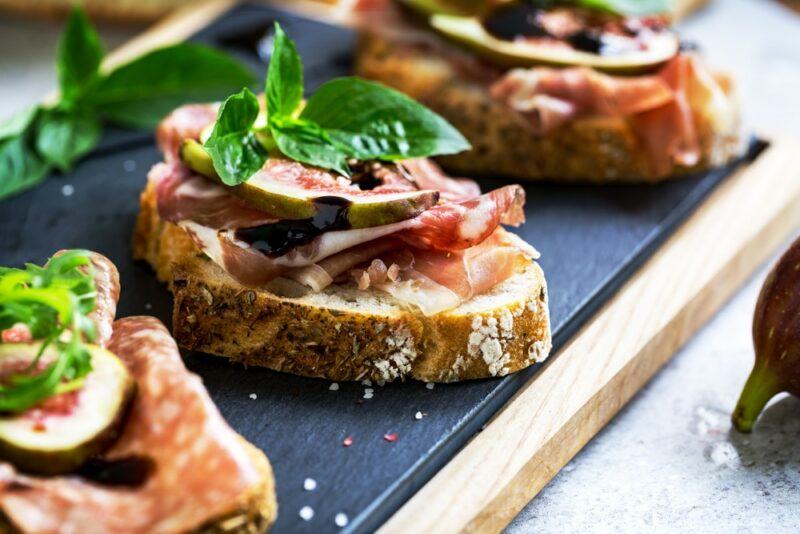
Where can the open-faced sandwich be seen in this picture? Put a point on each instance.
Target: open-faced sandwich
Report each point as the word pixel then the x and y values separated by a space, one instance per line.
pixel 559 90
pixel 313 237
pixel 102 428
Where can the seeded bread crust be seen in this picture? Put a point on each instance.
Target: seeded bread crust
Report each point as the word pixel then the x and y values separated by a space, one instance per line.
pixel 343 333
pixel 588 149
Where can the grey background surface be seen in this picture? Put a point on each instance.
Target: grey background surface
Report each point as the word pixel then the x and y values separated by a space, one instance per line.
pixel 669 461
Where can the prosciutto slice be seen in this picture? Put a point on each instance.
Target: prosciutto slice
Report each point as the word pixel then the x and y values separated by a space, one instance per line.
pixel 435 281
pixel 182 195
pixel 174 423
pixel 186 122
pixel 661 106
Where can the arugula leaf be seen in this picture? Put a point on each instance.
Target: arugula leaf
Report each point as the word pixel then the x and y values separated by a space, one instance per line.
pixel 20 166
pixel 284 84
pixel 232 145
pixel 628 7
pixel 142 92
pixel 306 142
pixel 64 137
pixel 50 300
pixel 370 121
pixel 78 57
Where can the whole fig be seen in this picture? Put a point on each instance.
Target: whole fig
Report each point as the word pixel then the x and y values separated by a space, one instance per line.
pixel 776 339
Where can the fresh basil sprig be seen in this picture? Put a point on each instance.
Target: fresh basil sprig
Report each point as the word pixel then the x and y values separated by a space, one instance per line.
pixel 138 94
pixel 345 118
pixel 54 302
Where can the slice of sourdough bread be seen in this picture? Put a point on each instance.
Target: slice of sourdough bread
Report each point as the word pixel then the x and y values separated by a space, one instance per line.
pixel 342 333
pixel 586 149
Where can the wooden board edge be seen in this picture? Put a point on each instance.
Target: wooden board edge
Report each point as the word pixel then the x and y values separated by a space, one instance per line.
pixel 525 445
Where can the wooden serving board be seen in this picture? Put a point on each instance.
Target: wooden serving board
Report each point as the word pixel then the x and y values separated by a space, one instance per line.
pixel 633 271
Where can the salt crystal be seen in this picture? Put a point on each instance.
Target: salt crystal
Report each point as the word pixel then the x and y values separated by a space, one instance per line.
pixel 306 512
pixel 341 520
pixel 67 190
pixel 334 387
pixel 309 484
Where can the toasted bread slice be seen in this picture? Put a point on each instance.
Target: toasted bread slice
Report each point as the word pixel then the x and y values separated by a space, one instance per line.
pixel 586 149
pixel 343 333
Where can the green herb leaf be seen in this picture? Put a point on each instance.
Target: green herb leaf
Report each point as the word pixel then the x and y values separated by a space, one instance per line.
pixel 233 147
pixel 20 166
pixel 628 7
pixel 367 120
pixel 142 92
pixel 64 137
pixel 79 55
pixel 50 300
pixel 284 84
pixel 306 142
pixel 18 123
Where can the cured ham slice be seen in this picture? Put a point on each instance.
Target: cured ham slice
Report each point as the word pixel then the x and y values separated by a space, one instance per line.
pixel 459 225
pixel 186 122
pixel 448 227
pixel 550 97
pixel 428 175
pixel 663 107
pixel 174 425
pixel 182 195
pixel 435 281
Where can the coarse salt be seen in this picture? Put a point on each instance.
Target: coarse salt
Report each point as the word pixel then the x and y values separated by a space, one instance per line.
pixel 307 513
pixel 309 484
pixel 341 520
pixel 334 387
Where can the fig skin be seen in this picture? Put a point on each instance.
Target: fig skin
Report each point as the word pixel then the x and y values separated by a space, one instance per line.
pixel 776 340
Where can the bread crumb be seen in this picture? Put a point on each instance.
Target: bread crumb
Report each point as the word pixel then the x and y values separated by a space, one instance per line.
pixel 366 382
pixel 253 396
pixel 306 513
pixel 309 484
pixel 430 385
pixel 368 392
pixel 334 387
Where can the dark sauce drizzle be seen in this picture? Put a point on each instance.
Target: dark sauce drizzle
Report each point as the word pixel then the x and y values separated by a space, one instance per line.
pixel 275 239
pixel 515 21
pixel 131 471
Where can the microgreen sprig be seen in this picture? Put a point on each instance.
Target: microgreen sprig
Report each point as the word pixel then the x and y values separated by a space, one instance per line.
pixel 54 302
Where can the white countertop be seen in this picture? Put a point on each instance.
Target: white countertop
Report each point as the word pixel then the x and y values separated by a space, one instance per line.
pixel 668 461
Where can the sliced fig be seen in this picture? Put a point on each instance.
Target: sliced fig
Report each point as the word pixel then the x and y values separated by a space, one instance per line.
pixel 515 41
pixel 290 190
pixel 776 340
pixel 63 432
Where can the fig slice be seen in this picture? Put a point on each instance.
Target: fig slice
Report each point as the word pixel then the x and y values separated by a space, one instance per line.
pixel 289 190
pixel 471 32
pixel 63 432
pixel 776 340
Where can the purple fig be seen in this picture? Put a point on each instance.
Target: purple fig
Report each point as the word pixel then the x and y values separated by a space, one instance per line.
pixel 776 339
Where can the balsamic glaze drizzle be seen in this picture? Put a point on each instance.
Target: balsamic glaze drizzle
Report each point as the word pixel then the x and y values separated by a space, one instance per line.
pixel 275 239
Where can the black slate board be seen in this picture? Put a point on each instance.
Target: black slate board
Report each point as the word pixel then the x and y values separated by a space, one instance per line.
pixel 591 238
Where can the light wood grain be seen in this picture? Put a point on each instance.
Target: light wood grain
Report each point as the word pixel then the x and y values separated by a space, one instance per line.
pixel 626 343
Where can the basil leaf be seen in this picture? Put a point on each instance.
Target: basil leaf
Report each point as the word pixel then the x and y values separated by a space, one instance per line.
pixel 78 56
pixel 370 121
pixel 233 147
pixel 306 142
pixel 284 84
pixel 62 137
pixel 20 166
pixel 142 92
pixel 628 7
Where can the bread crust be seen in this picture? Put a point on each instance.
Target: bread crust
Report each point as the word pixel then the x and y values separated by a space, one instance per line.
pixel 342 333
pixel 597 149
